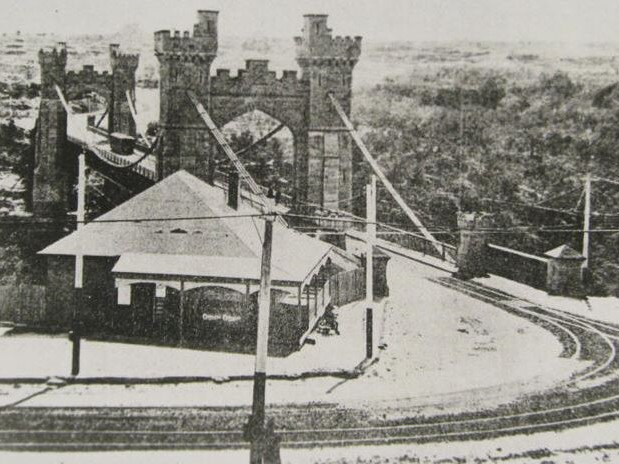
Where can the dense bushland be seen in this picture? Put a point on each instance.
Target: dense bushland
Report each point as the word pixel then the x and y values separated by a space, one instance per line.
pixel 475 140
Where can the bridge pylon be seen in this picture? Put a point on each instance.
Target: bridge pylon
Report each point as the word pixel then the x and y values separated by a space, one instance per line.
pixel 124 66
pixel 54 170
pixel 51 179
pixel 327 64
pixel 185 65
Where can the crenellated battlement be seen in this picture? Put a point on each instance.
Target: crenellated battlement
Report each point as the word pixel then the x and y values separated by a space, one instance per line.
pixel 53 63
pixel 166 43
pixel 323 169
pixel 317 43
pixel 88 77
pixel 338 49
pixel 54 57
pixel 203 41
pixel 257 74
pixel 126 61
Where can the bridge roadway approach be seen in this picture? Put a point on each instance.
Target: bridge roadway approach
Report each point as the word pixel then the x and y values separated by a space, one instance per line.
pixel 53 417
pixel 127 175
pixel 135 172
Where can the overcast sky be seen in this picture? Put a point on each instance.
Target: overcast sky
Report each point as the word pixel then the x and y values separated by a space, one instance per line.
pixel 432 20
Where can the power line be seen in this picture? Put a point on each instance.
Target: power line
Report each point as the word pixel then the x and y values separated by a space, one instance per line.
pixel 506 230
pixel 561 195
pixel 582 195
pixel 525 205
pixel 497 230
pixel 52 220
pixel 602 179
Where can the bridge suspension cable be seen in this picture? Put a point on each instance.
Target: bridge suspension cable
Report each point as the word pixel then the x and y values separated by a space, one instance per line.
pixel 219 137
pixel 94 150
pixel 134 115
pixel 103 115
pixel 376 168
pixel 261 140
pixel 63 100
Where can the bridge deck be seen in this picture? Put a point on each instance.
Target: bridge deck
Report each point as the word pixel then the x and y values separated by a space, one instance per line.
pixel 98 143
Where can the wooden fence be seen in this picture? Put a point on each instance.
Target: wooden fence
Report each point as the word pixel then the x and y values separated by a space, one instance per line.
pixel 347 286
pixel 22 304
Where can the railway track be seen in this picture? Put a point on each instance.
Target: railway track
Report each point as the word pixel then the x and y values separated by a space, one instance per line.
pixel 594 340
pixel 590 396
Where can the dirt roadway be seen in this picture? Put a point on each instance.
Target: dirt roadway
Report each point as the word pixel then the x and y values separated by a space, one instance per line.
pixel 437 344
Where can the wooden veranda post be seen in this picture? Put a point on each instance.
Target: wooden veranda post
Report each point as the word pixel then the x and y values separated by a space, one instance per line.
pixel 181 315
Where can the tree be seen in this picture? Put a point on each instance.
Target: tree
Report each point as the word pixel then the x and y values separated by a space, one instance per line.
pixel 491 92
pixel 558 85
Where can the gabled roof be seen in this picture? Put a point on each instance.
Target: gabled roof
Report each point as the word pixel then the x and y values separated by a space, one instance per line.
pixel 564 252
pixel 231 235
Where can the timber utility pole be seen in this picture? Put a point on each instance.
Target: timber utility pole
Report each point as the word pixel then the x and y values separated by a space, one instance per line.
pixel 256 428
pixel 75 334
pixel 586 220
pixel 370 231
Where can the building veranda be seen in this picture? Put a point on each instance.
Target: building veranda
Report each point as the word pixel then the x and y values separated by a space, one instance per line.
pixel 150 276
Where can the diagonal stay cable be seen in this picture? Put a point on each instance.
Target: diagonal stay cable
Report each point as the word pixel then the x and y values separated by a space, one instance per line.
pixel 243 174
pixel 260 140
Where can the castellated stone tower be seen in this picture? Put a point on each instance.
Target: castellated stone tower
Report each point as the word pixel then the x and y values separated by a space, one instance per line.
pixel 327 63
pixel 124 67
pixel 185 64
pixel 50 188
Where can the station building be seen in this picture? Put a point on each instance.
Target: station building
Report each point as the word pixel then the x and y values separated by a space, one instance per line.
pixel 195 281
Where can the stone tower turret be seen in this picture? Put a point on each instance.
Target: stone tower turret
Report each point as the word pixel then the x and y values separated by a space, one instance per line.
pixel 50 184
pixel 327 63
pixel 185 64
pixel 124 66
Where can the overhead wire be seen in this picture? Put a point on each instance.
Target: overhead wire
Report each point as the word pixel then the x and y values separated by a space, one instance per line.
pixel 26 220
pixel 507 230
pixel 602 179
pixel 555 197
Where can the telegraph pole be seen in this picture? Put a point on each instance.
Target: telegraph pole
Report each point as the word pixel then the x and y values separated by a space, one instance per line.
pixel 256 425
pixel 75 334
pixel 370 232
pixel 586 220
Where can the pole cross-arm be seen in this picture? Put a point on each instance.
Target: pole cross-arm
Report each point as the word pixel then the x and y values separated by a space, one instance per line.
pixel 376 168
pixel 234 159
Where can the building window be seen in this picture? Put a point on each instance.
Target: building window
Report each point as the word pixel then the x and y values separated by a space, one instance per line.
pixel 210 26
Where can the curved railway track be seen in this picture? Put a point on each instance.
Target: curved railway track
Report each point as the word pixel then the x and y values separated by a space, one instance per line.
pixel 591 395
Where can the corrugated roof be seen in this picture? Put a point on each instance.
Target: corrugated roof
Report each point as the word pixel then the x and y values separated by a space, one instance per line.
pixel 183 195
